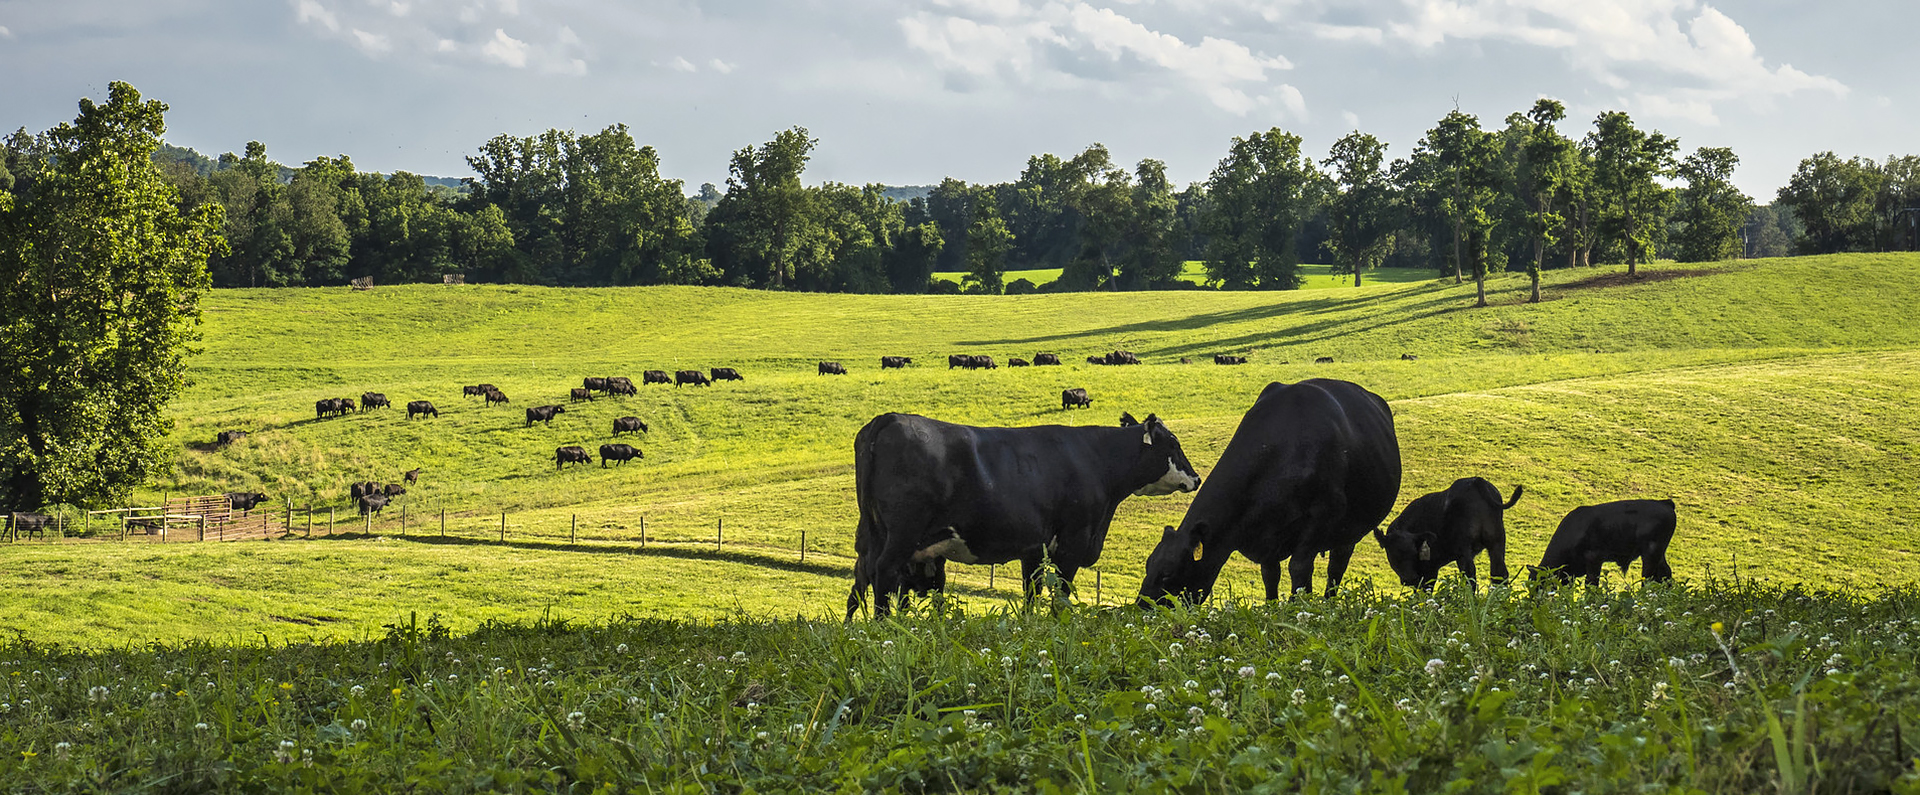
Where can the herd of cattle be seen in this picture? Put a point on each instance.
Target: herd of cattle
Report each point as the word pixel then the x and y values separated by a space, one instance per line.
pixel 1313 468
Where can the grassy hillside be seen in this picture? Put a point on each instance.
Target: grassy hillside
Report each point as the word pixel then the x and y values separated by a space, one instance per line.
pixel 1318 277
pixel 1772 400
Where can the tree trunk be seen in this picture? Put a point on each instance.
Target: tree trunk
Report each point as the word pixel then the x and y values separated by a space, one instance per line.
pixel 1633 250
pixel 1480 271
pixel 1356 275
pixel 1456 250
pixel 1539 253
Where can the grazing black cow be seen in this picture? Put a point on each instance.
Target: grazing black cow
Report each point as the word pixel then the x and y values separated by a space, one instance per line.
pixel 1408 357
pixel 592 384
pixel 338 407
pixel 563 456
pixel 1313 468
pixel 930 491
pixel 363 488
pixel 1096 360
pixel 578 393
pixel 421 408
pixel 393 489
pixel 373 400
pixel 543 414
pixel 726 374
pixel 832 368
pixel 694 377
pixel 1223 358
pixel 477 390
pixel 618 452
pixel 655 377
pixel 983 362
pixel 895 362
pixel 628 425
pixel 959 360
pixel 1122 357
pixel 413 475
pixel 31 525
pixel 1324 360
pixel 1186 360
pixel 1045 359
pixel 1076 396
pixel 497 396
pixel 1015 361
pixel 1591 536
pixel 245 500
pixel 371 503
pixel 224 438
pixel 621 385
pixel 1450 526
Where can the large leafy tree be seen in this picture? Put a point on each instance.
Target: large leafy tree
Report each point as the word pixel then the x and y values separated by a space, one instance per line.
pixel 988 242
pixel 1256 206
pixel 1360 207
pixel 1834 200
pixel 1627 164
pixel 766 211
pixel 104 274
pixel 1544 163
pixel 1710 209
pixel 1464 175
pixel 1151 259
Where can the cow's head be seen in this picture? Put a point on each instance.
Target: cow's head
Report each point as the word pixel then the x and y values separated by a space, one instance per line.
pixel 1182 569
pixel 1412 556
pixel 1162 464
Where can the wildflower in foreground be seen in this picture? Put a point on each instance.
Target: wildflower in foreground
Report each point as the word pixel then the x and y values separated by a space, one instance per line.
pixel 1435 666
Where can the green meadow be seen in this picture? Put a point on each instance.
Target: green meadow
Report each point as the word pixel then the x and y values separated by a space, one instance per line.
pixel 1773 400
pixel 1318 277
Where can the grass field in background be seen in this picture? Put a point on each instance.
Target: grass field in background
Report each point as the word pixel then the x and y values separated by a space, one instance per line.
pixel 1318 277
pixel 1773 400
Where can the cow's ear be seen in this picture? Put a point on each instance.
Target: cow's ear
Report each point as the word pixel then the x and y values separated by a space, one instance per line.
pixel 1127 420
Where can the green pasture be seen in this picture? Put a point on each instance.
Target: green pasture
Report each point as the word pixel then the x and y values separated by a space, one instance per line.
pixel 1318 277
pixel 1773 400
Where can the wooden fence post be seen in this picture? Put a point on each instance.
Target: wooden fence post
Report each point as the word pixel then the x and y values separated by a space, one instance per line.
pixel 310 520
pixel 503 527
pixel 443 522
pixel 719 533
pixel 203 527
pixel 289 530
pixel 367 529
pixel 1096 586
pixel 403 520
pixel 803 545
pixel 643 532
pixel 573 530
pixel 989 575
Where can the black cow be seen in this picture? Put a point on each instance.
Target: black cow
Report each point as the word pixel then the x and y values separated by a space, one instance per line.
pixel 628 425
pixel 343 406
pixel 371 503
pixel 1043 359
pixel 895 362
pixel 621 385
pixel 1096 360
pixel 930 491
pixel 477 390
pixel 618 452
pixel 224 438
pixel 694 377
pixel 1015 361
pixel 1076 396
pixel 1324 360
pixel 363 488
pixel 244 500
pixel 1450 526
pixel 563 456
pixel 959 360
pixel 393 489
pixel 31 525
pixel 543 414
pixel 1591 536
pixel 592 384
pixel 655 377
pixel 1223 358
pixel 984 362
pixel 832 368
pixel 1122 357
pixel 373 400
pixel 421 408
pixel 578 393
pixel 327 406
pixel 1408 357
pixel 497 396
pixel 1313 468
pixel 726 374
pixel 413 475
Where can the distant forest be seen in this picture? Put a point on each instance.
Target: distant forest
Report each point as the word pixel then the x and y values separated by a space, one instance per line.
pixel 565 208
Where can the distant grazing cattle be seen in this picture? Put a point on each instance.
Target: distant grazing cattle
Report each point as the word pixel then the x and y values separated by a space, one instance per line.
pixel 628 425
pixel 1043 359
pixel 1324 360
pixel 543 414
pixel 726 374
pixel 1408 357
pixel 983 362
pixel 930 491
pixel 1076 396
pixel 1122 357
pixel 1186 360
pixel 694 377
pixel 620 385
pixel 594 384
pixel 31 525
pixel 472 391
pixel 895 362
pixel 1313 468
pixel 563 456
pixel 224 438
pixel 497 396
pixel 832 368
pixel 393 489
pixel 413 475
pixel 421 408
pixel 578 393
pixel 245 500
pixel 373 400
pixel 1096 360
pixel 959 360
pixel 618 452
pixel 1591 536
pixel 372 503
pixel 363 488
pixel 338 407
pixel 1016 361
pixel 1450 526
pixel 655 377
pixel 1222 358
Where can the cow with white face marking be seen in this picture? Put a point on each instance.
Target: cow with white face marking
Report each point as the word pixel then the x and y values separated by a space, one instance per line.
pixel 932 491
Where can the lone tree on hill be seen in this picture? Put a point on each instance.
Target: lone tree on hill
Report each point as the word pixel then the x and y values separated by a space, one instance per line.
pixel 104 275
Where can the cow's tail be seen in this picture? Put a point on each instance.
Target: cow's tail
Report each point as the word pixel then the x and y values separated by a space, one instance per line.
pixel 1517 489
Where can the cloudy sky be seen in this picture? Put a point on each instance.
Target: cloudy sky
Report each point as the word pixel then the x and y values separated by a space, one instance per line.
pixel 910 91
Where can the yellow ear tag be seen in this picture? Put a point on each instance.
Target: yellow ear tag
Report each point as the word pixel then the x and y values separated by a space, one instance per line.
pixel 1198 550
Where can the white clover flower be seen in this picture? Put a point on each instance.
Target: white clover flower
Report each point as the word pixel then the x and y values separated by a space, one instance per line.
pixel 1306 666
pixel 200 727
pixel 156 696
pixel 1273 676
pixel 633 701
pixel 1435 666
pixel 1299 697
pixel 1589 681
pixel 1247 672
pixel 96 693
pixel 576 719
pixel 886 645
pixel 1174 649
pixel 357 690
pixel 62 749
pixel 1079 718
pixel 1150 707
pixel 1197 715
pixel 1216 693
pixel 741 656
pixel 1346 680
pixel 1404 705
pixel 1189 684
pixel 358 725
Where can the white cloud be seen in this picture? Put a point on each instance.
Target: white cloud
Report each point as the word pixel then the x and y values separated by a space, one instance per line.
pixel 1364 34
pixel 4 33
pixel 505 49
pixel 721 66
pixel 680 64
pixel 372 43
pixel 398 8
pixel 1351 119
pixel 446 45
pixel 510 7
pixel 312 11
